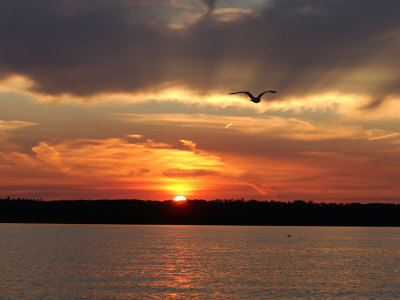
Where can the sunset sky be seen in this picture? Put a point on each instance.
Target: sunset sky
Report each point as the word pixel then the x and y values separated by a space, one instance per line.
pixel 130 99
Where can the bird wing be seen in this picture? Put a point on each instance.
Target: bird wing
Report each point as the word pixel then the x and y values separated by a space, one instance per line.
pixel 244 92
pixel 259 96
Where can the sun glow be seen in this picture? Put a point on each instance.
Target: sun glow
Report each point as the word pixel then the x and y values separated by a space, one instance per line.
pixel 179 198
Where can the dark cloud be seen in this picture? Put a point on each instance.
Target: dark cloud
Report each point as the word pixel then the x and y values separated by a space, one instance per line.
pixel 210 5
pixel 373 104
pixel 294 46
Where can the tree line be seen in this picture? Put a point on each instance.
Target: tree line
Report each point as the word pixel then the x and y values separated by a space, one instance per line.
pixel 201 212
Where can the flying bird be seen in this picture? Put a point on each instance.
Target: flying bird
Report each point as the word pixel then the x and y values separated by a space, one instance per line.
pixel 252 98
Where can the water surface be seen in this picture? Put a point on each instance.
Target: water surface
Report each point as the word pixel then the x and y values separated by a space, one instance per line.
pixel 205 262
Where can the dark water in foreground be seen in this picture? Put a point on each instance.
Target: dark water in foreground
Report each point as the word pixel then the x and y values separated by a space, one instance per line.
pixel 206 262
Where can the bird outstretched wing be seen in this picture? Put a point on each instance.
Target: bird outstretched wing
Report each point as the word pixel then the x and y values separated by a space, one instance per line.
pixel 244 92
pixel 259 96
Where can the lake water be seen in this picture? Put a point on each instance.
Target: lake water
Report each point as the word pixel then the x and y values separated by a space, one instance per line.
pixel 197 262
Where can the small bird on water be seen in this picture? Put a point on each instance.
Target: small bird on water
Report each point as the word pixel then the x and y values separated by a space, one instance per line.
pixel 252 98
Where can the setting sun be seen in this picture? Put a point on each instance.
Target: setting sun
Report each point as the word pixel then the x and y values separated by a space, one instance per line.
pixel 179 198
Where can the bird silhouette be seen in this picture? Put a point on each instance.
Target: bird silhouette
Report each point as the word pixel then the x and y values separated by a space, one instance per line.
pixel 252 98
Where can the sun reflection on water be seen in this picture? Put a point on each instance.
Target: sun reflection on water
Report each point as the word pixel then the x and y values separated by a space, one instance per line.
pixel 207 262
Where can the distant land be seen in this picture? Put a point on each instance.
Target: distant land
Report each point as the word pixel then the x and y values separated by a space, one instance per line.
pixel 200 212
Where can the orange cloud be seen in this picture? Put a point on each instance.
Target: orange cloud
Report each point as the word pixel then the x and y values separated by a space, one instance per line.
pixel 146 167
pixel 190 144
pixel 134 136
pixel 115 163
pixel 11 125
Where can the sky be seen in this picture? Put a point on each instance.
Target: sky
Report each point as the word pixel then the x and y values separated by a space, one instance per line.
pixel 114 99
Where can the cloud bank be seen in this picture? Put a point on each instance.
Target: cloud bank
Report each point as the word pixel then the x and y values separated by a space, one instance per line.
pixel 298 47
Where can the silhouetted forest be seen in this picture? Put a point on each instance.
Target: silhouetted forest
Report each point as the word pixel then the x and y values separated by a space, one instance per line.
pixel 216 212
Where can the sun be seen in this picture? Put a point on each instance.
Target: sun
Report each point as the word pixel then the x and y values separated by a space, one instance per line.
pixel 179 198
